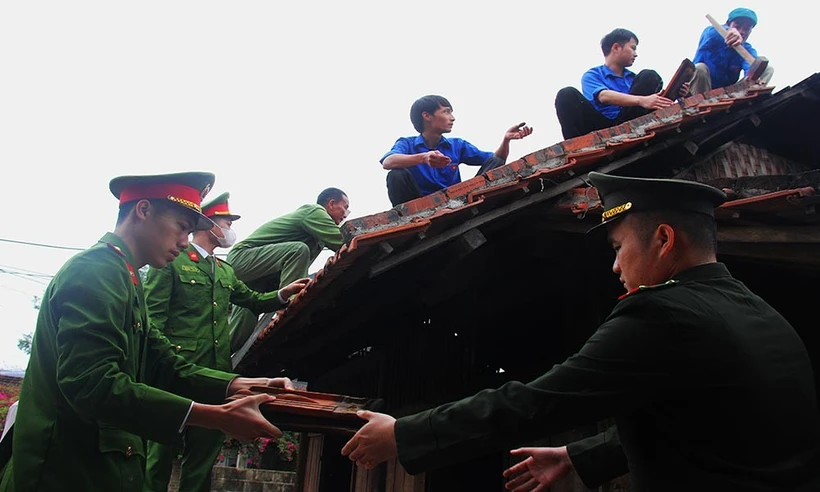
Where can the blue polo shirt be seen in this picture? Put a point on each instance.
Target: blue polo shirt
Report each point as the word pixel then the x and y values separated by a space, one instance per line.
pixel 724 62
pixel 599 78
pixel 430 179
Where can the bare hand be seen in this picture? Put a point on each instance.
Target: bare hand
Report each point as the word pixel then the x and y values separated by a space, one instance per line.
pixel 436 159
pixel 542 468
pixel 517 132
pixel 239 384
pixel 655 101
pixel 293 288
pixel 733 37
pixel 375 442
pixel 243 420
pixel 684 90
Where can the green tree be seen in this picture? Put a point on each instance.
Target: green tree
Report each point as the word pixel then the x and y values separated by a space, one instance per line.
pixel 24 343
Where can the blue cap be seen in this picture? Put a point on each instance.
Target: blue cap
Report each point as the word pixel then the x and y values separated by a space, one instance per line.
pixel 741 12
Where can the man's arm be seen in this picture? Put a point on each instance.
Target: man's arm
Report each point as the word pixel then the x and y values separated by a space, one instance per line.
pixel 598 459
pixel 266 302
pixel 516 132
pixel 401 156
pixel 594 88
pixel 318 224
pixel 630 355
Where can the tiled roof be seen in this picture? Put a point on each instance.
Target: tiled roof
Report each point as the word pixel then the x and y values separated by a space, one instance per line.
pixel 381 241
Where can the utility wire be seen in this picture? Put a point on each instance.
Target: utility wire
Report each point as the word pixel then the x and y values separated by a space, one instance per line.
pixel 53 246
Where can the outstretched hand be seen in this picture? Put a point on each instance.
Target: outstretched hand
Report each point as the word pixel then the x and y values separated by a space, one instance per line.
pixel 541 468
pixel 655 101
pixel 375 442
pixel 293 288
pixel 517 132
pixel 244 420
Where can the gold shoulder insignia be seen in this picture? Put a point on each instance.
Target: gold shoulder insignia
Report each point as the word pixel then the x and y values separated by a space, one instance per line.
pixel 642 288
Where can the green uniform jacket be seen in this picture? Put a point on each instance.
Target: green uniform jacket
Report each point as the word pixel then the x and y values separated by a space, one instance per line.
pixel 309 224
pixel 188 302
pixel 90 394
pixel 710 387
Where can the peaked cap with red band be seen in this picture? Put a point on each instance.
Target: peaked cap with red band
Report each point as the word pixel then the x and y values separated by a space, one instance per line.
pixel 185 190
pixel 218 207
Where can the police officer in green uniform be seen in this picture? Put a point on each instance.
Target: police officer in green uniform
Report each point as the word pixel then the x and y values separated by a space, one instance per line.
pixel 710 388
pixel 188 302
pixel 100 380
pixel 281 250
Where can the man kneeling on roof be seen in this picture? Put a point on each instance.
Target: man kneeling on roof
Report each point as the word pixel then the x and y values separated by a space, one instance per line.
pixel 281 250
pixel 717 64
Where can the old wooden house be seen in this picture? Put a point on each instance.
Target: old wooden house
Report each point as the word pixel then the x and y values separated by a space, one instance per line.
pixel 495 279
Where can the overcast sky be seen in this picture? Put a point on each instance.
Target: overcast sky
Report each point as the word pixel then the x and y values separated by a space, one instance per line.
pixel 282 99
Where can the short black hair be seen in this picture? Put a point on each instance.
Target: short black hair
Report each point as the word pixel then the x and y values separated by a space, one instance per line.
pixel 161 206
pixel 701 229
pixel 426 104
pixel 330 194
pixel 620 36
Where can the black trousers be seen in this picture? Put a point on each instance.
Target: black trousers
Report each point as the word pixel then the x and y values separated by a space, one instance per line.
pixel 578 116
pixel 401 187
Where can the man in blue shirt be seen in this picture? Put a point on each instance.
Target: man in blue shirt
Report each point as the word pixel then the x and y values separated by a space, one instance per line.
pixel 421 165
pixel 612 93
pixel 717 64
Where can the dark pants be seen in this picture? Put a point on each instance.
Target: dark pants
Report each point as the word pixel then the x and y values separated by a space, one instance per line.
pixel 401 187
pixel 578 116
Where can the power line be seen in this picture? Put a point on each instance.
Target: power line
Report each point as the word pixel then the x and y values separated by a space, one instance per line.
pixel 52 246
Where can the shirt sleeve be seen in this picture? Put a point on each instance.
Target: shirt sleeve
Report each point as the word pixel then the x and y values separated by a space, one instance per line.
pixel 320 226
pixel 402 146
pixel 629 357
pixel 257 302
pixel 710 39
pixel 598 459
pixel 592 83
pixel 753 52
pixel 471 156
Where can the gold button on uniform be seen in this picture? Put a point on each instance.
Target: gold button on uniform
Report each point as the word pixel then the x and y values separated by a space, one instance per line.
pixel 193 281
pixel 214 303
pixel 216 342
pixel 179 347
pixel 128 451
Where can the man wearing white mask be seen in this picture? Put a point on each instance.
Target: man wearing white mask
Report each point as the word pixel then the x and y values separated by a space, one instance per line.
pixel 188 301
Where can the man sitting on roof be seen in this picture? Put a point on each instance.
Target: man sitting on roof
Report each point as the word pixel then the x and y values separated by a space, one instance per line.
pixel 280 251
pixel 717 64
pixel 612 94
pixel 424 164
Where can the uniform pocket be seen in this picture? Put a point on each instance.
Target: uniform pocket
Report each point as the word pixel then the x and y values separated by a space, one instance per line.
pixel 193 278
pixel 181 346
pixel 115 440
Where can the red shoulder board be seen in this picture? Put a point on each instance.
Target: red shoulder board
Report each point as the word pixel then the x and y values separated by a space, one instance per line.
pixel 131 271
pixel 218 263
pixel 193 256
pixel 116 248
pixel 642 288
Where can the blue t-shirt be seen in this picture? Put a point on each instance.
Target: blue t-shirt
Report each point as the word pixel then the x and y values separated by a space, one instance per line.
pixel 430 179
pixel 599 78
pixel 724 62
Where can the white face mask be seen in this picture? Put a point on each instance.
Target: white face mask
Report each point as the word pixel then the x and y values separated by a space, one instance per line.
pixel 228 239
